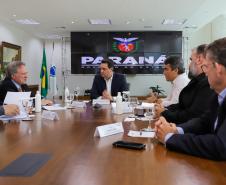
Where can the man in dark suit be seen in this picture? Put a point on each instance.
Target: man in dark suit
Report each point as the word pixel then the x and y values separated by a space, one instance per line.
pixel 15 81
pixel 204 136
pixel 16 76
pixel 107 84
pixel 192 99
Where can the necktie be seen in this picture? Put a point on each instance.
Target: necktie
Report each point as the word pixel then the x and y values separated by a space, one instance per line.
pixel 19 89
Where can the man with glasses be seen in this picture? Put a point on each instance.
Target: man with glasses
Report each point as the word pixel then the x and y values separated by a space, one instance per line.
pixel 15 81
pixel 204 136
pixel 193 99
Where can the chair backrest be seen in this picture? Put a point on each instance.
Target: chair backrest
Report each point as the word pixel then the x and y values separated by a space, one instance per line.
pixel 127 86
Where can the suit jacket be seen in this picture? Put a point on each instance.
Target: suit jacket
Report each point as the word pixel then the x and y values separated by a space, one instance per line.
pixel 8 85
pixel 200 138
pixel 2 111
pixel 194 99
pixel 99 85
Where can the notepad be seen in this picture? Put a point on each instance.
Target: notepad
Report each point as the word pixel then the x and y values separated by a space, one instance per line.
pixel 25 165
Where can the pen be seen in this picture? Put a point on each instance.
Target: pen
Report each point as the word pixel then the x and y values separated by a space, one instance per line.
pixel 147 130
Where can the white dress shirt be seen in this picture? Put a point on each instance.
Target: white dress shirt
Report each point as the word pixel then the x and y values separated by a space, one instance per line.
pixel 177 85
pixel 108 84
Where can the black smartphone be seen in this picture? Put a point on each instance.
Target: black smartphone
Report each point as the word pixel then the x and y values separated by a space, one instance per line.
pixel 130 145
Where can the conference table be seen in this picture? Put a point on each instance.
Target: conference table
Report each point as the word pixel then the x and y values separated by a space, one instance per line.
pixel 79 158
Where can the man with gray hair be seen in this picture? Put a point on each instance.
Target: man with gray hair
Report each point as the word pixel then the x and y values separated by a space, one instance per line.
pixel 203 136
pixel 15 81
pixel 195 97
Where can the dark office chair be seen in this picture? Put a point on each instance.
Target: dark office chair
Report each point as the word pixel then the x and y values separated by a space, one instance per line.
pixel 127 86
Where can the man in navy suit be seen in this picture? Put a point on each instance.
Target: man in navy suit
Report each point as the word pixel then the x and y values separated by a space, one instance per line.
pixel 107 84
pixel 204 136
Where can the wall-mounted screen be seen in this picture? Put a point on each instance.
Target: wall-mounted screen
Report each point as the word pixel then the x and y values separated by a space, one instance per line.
pixel 132 52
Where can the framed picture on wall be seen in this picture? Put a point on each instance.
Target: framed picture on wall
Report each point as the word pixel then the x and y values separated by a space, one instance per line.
pixel 8 53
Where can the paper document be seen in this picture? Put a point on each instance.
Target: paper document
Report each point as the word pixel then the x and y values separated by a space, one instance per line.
pixel 22 115
pixel 147 105
pixel 129 119
pixel 101 101
pixel 149 134
pixel 16 97
pixel 54 107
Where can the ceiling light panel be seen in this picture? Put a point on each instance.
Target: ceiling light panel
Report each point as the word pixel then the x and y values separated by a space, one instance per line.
pixel 26 21
pixel 99 21
pixel 173 22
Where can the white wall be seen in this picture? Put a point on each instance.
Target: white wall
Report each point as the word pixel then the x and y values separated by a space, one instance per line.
pixel 219 27
pixel 32 56
pixel 210 32
pixel 139 84
pixel 31 48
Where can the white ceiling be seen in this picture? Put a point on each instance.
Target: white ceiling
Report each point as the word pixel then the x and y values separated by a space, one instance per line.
pixel 143 15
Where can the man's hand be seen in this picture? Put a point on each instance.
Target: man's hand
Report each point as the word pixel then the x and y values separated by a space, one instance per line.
pixel 158 110
pixel 11 109
pixel 162 128
pixel 106 95
pixel 159 101
pixel 152 98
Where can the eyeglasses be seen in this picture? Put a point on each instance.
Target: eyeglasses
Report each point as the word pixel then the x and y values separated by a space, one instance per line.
pixel 206 67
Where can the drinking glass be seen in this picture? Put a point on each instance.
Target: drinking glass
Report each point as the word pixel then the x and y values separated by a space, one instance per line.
pixel 70 98
pixel 28 106
pixel 77 92
pixel 149 116
pixel 125 96
pixel 133 102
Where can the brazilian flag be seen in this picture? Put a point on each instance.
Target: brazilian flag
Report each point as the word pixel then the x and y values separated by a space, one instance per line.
pixel 44 76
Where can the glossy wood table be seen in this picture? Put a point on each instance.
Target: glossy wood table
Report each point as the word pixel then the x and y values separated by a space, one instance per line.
pixel 78 158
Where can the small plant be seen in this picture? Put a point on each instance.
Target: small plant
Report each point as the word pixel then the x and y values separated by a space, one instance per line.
pixel 157 90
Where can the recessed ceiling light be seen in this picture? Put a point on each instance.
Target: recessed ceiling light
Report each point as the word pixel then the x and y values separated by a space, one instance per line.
pixel 173 22
pixel 53 37
pixel 147 26
pixel 48 36
pixel 191 27
pixel 141 20
pixel 14 15
pixel 26 21
pixel 60 27
pixel 128 22
pixel 99 21
pixel 74 21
